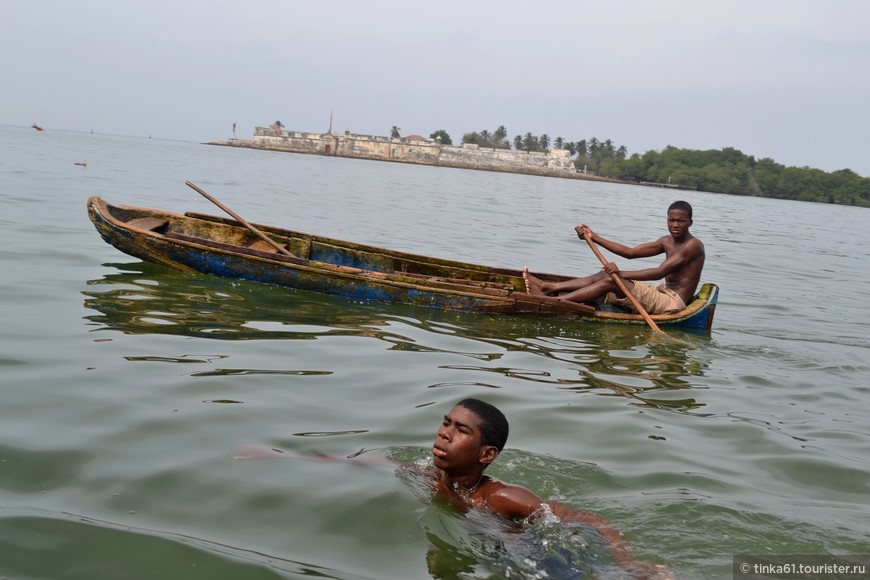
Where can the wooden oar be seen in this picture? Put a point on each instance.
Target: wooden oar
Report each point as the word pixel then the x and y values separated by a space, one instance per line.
pixel 238 218
pixel 637 306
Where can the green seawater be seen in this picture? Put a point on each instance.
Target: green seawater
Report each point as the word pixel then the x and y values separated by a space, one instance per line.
pixel 126 386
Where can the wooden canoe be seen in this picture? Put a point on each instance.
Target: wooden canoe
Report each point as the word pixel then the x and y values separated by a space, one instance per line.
pixel 219 246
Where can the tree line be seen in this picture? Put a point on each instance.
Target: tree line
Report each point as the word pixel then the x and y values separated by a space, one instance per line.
pixel 731 171
pixel 726 170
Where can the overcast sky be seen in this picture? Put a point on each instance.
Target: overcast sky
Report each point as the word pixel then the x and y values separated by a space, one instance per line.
pixel 786 79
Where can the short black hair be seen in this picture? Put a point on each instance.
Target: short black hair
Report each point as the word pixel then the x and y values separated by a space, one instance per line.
pixel 683 205
pixel 493 424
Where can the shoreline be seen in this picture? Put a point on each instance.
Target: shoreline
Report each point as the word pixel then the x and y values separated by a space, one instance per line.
pixel 519 170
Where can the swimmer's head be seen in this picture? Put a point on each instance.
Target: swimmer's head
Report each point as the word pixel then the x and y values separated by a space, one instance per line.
pixel 493 424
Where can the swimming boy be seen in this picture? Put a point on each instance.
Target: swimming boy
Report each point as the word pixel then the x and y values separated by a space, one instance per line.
pixel 681 269
pixel 470 438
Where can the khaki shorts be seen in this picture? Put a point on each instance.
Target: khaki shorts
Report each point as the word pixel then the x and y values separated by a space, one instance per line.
pixel 655 299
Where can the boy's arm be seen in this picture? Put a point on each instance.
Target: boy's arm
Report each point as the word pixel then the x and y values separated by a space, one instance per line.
pixel 607 530
pixel 619 550
pixel 262 452
pixel 514 501
pixel 644 250
pixel 671 264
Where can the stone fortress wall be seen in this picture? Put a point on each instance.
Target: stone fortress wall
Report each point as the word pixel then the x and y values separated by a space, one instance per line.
pixel 413 149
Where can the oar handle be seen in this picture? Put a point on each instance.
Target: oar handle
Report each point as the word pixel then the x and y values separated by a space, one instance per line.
pixel 238 218
pixel 634 302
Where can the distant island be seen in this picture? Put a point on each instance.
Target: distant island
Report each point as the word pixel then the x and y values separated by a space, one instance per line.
pixel 716 171
pixel 410 149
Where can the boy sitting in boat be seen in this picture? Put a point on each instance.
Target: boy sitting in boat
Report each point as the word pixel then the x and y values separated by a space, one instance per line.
pixel 681 270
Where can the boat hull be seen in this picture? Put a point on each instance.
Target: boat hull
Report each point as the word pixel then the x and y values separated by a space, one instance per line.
pixel 221 247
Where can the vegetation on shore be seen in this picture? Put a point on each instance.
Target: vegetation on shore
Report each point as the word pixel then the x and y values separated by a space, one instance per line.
pixel 729 170
pixel 726 170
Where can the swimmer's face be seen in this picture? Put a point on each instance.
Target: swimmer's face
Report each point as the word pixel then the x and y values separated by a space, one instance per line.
pixel 457 442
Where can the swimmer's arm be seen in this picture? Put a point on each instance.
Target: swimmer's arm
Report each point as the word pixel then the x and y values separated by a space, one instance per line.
pixel 517 502
pixel 607 530
pixel 619 550
pixel 262 452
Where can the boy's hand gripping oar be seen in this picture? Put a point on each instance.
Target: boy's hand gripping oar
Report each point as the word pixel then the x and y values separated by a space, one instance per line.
pixel 637 306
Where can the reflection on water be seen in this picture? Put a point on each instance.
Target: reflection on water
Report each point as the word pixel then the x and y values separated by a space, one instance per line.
pixel 624 361
pixel 148 299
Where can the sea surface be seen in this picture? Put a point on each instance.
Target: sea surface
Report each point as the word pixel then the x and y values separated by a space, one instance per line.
pixel 126 387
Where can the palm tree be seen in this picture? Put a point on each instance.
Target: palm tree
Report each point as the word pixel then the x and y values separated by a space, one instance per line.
pixel 518 142
pixel 593 146
pixel 559 143
pixel 530 142
pixel 544 140
pixel 395 132
pixel 499 138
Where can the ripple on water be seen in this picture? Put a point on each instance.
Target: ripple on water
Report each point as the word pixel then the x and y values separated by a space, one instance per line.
pixel 34 541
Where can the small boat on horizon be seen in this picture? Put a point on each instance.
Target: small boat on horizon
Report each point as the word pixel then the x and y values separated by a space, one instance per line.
pixel 37 127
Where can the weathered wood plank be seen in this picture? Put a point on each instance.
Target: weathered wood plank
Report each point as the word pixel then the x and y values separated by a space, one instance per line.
pixel 148 223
